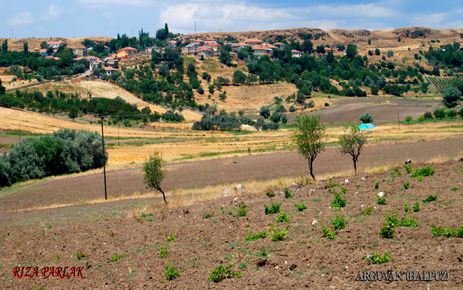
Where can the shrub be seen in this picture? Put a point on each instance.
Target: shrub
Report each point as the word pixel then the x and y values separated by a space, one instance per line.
pixel 207 215
pixel 381 201
pixel 221 272
pixel 116 257
pixel 241 210
pixel 171 272
pixel 282 218
pixel 406 208
pixel 408 222
pixel 278 234
pixel 388 229
pixel 377 259
pixel 339 222
pixel 366 118
pixel 416 207
pixel 408 168
pixel 430 198
pixel 447 232
pixel 328 233
pixel 428 116
pixel 288 193
pixel 272 208
pixel 163 252
pixel 423 171
pixel 338 201
pixel 171 237
pixel 377 185
pixel 256 236
pixel 4 173
pixel 300 206
pixel 406 185
pixel 270 193
pixel 440 114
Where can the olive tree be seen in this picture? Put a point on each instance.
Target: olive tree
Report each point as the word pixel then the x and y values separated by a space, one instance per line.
pixel 309 138
pixel 154 173
pixel 352 143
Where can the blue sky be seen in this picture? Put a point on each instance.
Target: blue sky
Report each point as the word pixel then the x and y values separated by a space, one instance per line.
pixel 45 18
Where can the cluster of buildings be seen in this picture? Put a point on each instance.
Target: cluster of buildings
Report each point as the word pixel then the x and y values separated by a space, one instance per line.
pixel 208 48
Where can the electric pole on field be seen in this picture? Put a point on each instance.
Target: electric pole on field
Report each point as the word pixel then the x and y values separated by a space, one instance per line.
pixel 104 165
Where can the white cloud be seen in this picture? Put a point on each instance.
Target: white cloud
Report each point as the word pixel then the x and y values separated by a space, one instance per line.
pixel 100 3
pixel 107 15
pixel 53 11
pixel 221 15
pixel 21 18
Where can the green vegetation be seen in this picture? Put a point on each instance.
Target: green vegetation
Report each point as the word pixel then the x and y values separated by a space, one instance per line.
pixel 300 206
pixel 447 232
pixel 406 185
pixel 278 234
pixel 66 151
pixel 366 118
pixel 381 201
pixel 222 272
pixel 240 211
pixel 171 237
pixel 288 193
pixel 272 208
pixel 171 272
pixel 388 229
pixel 430 198
pixel 309 138
pixel 116 109
pixel 338 201
pixel 163 252
pixel 339 222
pixel 116 257
pixel 352 143
pixel 378 259
pixel 256 236
pixel 328 233
pixel 408 222
pixel 423 171
pixel 154 173
pixel 416 207
pixel 282 218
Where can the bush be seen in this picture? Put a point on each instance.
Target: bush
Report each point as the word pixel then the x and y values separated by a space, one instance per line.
pixel 366 118
pixel 154 173
pixel 338 201
pixel 171 272
pixel 430 198
pixel 406 185
pixel 221 272
pixel 451 97
pixel 278 234
pixel 447 232
pixel 273 208
pixel 300 206
pixel 428 116
pixel 339 222
pixel 328 233
pixel 288 193
pixel 416 207
pixel 377 259
pixel 423 171
pixel 256 236
pixel 66 151
pixel 163 252
pixel 440 114
pixel 282 218
pixel 381 201
pixel 408 222
pixel 241 210
pixel 4 173
pixel 388 229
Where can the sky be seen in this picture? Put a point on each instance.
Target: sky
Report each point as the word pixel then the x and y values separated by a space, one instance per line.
pixel 79 18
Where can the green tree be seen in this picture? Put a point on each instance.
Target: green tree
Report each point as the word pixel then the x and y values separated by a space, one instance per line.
pixel 309 138
pixel 351 51
pixel 451 97
pixel 2 88
pixel 26 47
pixel 73 113
pixel 154 173
pixel 5 46
pixel 366 118
pixel 239 77
pixel 225 58
pixel 352 143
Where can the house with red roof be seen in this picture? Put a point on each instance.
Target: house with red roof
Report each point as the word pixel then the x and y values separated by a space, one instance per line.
pixel 296 53
pixel 126 52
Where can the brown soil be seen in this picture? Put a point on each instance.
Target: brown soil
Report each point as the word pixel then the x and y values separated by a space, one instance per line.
pixel 305 259
pixel 79 188
pixel 383 109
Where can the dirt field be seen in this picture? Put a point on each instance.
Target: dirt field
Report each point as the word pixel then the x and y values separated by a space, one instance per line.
pixel 119 246
pixel 383 109
pixel 129 182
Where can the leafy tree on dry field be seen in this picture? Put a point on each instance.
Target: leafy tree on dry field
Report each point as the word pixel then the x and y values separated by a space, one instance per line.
pixel 352 143
pixel 154 173
pixel 309 139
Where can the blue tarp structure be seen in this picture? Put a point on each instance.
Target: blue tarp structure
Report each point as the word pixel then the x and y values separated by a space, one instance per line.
pixel 367 126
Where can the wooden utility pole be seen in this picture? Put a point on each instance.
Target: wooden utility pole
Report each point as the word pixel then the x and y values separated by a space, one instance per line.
pixel 104 165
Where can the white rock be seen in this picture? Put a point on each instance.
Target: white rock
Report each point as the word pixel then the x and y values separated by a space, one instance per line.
pixel 286 262
pixel 226 192
pixel 361 206
pixel 381 194
pixel 346 181
pixel 363 178
pixel 239 187
pixel 314 222
pixel 235 199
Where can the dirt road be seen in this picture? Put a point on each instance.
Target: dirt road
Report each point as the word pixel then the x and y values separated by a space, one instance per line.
pixel 221 171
